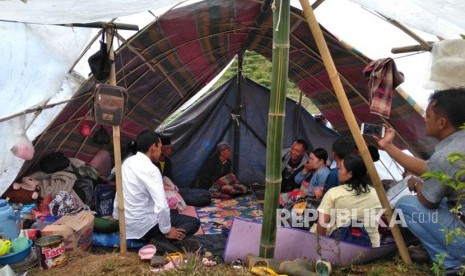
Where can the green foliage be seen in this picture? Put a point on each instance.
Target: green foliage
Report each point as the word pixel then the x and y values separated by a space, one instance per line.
pixel 438 267
pixel 258 69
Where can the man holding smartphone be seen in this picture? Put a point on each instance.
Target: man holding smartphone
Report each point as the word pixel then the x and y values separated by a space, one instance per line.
pixel 443 120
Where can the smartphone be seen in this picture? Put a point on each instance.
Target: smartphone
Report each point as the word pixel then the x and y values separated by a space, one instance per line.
pixel 373 130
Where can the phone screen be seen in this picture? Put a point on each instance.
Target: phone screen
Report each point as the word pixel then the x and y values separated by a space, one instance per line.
pixel 372 130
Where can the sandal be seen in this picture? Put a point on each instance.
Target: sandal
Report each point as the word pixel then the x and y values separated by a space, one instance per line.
pixel 263 271
pixel 174 257
pixel 161 263
pixel 167 266
pixel 147 252
pixel 208 262
pixel 157 261
pixel 237 264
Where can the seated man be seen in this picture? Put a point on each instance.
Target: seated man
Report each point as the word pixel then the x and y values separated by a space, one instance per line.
pixel 146 210
pixel 164 164
pixel 217 166
pixel 293 159
pixel 193 197
pixel 429 214
pixel 217 177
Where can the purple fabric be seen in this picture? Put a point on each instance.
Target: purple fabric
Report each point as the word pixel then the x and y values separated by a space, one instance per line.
pixel 291 243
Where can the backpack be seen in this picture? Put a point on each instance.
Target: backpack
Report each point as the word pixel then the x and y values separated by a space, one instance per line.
pixel 352 234
pixel 104 196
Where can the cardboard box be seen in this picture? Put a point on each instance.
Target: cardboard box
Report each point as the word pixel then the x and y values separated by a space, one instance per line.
pixel 75 229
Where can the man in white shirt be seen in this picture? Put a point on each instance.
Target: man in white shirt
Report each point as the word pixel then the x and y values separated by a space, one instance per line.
pixel 146 210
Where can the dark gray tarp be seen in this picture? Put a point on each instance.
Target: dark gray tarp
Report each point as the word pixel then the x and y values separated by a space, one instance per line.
pixel 195 133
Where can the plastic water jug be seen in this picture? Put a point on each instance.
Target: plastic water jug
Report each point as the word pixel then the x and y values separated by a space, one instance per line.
pixel 9 228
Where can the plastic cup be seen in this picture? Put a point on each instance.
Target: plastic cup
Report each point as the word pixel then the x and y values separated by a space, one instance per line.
pixel 19 244
pixel 5 246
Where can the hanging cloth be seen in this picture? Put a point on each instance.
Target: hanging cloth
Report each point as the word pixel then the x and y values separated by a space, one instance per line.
pixel 383 79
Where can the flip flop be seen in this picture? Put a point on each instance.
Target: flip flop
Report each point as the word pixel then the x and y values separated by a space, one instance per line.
pixel 147 252
pixel 264 271
pixel 171 261
pixel 168 266
pixel 175 257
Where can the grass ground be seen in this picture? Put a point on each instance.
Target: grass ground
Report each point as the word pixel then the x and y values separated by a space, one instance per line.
pixel 129 264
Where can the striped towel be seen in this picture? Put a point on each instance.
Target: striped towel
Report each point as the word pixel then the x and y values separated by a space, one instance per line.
pixel 383 78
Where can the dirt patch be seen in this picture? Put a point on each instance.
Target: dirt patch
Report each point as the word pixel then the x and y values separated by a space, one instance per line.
pixel 115 263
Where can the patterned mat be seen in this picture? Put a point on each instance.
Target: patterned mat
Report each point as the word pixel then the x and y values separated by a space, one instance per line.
pixel 217 217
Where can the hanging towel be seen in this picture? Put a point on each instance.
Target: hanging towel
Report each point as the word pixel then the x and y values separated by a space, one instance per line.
pixel 383 79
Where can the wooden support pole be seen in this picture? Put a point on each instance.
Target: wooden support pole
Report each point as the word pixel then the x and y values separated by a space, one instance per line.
pixel 350 118
pixel 117 150
pixel 412 48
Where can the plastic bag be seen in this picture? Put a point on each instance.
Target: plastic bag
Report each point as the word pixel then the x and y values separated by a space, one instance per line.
pixel 99 62
pixel 23 148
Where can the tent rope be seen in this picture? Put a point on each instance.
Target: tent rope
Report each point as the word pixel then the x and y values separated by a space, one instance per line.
pixel 37 109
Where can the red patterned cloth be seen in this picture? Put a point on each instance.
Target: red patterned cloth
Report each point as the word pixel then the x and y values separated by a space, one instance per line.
pixel 227 186
pixel 383 79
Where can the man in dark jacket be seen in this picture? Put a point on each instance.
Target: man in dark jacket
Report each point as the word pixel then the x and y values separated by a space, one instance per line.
pixel 217 166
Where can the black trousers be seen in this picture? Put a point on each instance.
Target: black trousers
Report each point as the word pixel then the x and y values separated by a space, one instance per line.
pixel 188 223
pixel 195 197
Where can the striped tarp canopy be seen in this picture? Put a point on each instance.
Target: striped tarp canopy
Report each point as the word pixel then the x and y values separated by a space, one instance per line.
pixel 171 59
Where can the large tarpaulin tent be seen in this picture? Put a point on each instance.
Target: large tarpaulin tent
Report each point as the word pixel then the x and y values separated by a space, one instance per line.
pixel 164 65
pixel 215 117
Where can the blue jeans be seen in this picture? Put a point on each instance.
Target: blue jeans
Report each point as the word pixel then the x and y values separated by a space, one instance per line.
pixel 428 225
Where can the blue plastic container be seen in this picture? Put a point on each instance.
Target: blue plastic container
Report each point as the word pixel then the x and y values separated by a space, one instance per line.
pixel 16 257
pixel 9 225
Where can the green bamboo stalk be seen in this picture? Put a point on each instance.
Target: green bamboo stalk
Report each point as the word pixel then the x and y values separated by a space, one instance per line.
pixel 276 116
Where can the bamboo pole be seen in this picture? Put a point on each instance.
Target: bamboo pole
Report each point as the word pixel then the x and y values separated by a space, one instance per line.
pixel 411 48
pixel 117 150
pixel 349 115
pixel 276 116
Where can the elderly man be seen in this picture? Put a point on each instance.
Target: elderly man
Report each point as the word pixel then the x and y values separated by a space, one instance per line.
pixel 294 159
pixel 217 166
pixel 428 213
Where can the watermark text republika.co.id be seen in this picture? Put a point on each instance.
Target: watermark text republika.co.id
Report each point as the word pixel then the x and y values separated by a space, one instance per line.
pixel 371 218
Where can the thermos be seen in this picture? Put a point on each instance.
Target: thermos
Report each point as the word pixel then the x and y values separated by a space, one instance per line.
pixel 9 224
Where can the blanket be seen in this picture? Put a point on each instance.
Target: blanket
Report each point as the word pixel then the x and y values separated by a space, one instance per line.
pixel 218 216
pixel 52 184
